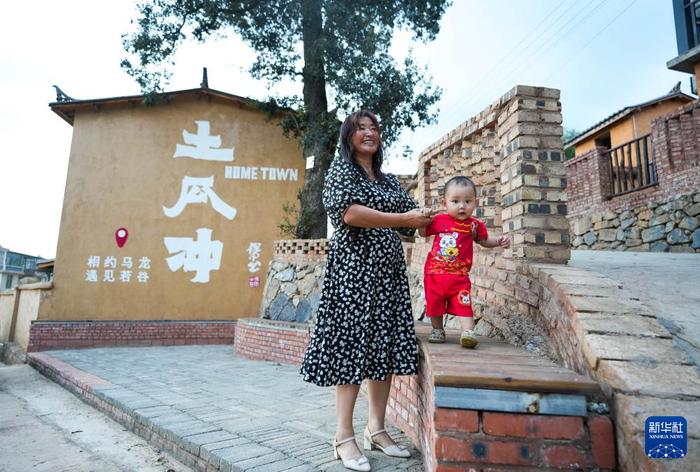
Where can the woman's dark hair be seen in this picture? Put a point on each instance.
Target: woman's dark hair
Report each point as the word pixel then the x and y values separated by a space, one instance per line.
pixel 347 152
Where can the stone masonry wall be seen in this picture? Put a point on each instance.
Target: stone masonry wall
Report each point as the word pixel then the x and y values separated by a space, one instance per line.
pixel 293 288
pixel 667 226
pixel 660 218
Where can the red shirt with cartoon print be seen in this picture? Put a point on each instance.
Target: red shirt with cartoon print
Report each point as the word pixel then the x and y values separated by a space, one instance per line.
pixel 453 246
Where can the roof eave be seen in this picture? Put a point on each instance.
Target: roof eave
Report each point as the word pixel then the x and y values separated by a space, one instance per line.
pixel 623 113
pixel 66 109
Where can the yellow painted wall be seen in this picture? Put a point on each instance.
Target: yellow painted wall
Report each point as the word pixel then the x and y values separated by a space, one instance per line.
pixel 122 173
pixel 632 126
pixel 29 302
pixel 584 146
pixel 7 306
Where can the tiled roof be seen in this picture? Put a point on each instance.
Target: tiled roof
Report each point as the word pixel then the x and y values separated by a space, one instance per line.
pixel 674 93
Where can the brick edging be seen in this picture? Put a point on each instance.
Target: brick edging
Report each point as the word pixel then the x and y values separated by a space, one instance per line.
pixel 600 322
pixel 269 340
pixel 82 384
pixel 45 335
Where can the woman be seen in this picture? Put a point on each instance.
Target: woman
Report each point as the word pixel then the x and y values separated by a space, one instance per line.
pixel 364 327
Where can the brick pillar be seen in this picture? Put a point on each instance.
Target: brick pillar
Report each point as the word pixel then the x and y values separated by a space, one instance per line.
pixel 485 173
pixel 604 173
pixel 532 175
pixel 588 181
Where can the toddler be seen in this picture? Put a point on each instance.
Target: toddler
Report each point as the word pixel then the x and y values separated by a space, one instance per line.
pixel 447 284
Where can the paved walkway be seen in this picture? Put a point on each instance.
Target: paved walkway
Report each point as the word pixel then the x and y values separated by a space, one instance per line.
pixel 667 283
pixel 44 428
pixel 232 413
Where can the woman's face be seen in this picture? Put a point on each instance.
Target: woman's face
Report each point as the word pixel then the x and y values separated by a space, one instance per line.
pixel 365 141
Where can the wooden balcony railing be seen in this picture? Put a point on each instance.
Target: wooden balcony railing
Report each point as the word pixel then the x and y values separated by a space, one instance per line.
pixel 632 166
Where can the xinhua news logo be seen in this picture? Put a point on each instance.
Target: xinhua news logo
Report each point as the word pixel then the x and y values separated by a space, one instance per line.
pixel 666 437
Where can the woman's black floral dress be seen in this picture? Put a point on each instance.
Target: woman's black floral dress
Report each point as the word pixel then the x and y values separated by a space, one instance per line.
pixel 364 327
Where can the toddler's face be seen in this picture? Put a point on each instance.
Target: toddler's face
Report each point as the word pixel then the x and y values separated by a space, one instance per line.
pixel 460 201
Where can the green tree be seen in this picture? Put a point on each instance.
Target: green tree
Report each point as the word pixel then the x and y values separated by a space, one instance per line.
pixel 338 48
pixel 569 134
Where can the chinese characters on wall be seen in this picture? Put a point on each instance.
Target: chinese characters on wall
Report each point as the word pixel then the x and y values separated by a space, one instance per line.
pixel 200 251
pixel 254 263
pixel 201 255
pixel 111 269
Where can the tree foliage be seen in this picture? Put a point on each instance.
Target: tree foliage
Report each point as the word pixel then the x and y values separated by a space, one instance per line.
pixel 569 134
pixel 334 48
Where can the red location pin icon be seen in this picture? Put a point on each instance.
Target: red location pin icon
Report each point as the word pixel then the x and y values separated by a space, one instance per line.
pixel 121 236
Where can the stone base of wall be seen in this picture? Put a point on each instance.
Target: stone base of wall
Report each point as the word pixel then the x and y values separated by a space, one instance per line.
pixel 669 226
pixel 293 288
pixel 46 335
pixel 271 340
pixel 12 353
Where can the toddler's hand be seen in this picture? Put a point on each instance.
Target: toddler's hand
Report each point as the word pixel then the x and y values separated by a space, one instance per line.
pixel 436 210
pixel 417 218
pixel 504 241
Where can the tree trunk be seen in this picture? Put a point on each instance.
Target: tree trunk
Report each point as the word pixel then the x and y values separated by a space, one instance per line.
pixel 320 137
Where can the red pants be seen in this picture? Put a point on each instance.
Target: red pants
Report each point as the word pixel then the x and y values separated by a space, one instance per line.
pixel 448 293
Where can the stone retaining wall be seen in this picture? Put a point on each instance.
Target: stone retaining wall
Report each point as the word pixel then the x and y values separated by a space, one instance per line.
pixel 293 287
pixel 660 218
pixel 668 226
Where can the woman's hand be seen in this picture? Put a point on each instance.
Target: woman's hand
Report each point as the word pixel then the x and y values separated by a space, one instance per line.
pixel 504 241
pixel 418 218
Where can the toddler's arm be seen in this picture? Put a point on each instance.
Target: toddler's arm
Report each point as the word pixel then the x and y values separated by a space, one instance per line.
pixel 493 241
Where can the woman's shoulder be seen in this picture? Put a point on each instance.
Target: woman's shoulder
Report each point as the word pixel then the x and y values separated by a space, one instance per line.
pixel 392 179
pixel 341 167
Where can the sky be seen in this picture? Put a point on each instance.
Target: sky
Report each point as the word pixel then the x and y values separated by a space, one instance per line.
pixel 602 54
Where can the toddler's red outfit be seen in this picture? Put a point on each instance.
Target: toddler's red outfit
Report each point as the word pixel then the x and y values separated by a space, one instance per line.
pixel 447 284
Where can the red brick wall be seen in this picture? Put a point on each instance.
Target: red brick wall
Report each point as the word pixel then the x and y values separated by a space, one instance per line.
pixel 676 151
pixel 45 335
pixel 588 181
pixel 411 405
pixel 468 440
pixel 270 340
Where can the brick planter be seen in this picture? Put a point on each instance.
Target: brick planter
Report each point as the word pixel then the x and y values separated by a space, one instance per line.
pixel 46 335
pixel 271 340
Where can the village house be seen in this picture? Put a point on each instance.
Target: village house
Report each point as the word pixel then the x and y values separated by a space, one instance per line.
pixel 170 212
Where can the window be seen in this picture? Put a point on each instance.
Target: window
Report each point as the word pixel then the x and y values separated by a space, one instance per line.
pixel 603 140
pixel 691 11
pixel 8 281
pixel 14 260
